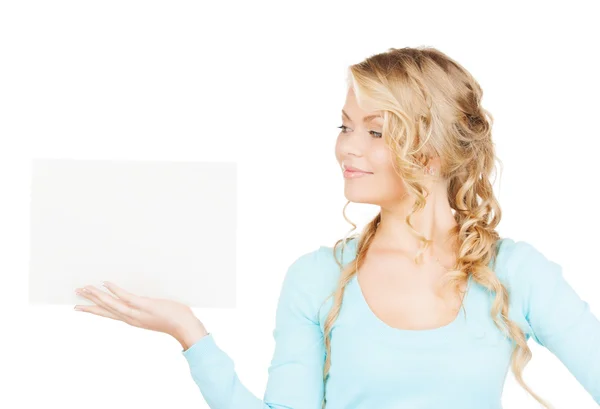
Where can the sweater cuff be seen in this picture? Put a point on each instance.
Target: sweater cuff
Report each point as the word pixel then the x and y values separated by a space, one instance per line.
pixel 202 350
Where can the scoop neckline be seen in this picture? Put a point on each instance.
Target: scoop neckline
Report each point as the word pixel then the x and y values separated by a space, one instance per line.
pixel 419 334
pixel 414 333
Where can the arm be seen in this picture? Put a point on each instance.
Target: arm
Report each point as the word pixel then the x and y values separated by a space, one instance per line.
pixel 560 320
pixel 295 373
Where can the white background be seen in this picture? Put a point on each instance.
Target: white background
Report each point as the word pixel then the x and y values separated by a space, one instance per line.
pixel 263 84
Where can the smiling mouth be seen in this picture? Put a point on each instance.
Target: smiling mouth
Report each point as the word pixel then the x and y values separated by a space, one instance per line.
pixel 352 174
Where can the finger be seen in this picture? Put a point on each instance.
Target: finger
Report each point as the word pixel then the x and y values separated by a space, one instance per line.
pixel 132 299
pixel 110 303
pixel 97 310
pixel 89 294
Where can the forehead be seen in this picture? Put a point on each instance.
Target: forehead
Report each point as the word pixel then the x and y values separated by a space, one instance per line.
pixel 368 117
pixel 355 113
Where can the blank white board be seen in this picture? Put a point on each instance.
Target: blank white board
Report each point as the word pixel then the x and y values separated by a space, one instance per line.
pixel 158 229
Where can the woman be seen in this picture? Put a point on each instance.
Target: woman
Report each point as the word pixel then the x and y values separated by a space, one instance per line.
pixel 415 141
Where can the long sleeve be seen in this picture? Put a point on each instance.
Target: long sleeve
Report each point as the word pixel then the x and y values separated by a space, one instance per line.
pixel 295 378
pixel 560 320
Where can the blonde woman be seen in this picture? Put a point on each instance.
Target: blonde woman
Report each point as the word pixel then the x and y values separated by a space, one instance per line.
pixel 428 307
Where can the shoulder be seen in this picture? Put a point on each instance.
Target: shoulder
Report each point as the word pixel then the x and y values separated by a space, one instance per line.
pixel 308 282
pixel 547 301
pixel 524 268
pixel 521 260
pixel 517 250
pixel 316 272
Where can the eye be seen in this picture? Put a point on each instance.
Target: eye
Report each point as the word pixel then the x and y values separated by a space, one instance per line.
pixel 375 134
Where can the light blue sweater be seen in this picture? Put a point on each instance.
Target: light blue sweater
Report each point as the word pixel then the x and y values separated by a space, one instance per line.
pixel 462 365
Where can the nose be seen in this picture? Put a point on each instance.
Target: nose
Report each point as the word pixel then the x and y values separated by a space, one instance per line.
pixel 351 144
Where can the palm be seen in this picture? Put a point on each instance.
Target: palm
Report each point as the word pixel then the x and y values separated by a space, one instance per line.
pixel 154 314
pixel 159 312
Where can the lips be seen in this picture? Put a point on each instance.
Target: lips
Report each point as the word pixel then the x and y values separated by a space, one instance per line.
pixel 352 172
pixel 352 169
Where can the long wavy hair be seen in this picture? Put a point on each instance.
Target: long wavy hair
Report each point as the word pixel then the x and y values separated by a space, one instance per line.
pixel 431 106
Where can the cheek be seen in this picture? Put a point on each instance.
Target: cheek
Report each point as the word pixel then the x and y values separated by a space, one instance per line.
pixel 381 160
pixel 388 181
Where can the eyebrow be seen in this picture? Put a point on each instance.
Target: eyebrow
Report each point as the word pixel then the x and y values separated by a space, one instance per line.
pixel 365 119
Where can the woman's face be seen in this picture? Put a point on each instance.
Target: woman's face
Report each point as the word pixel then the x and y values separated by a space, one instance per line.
pixel 361 146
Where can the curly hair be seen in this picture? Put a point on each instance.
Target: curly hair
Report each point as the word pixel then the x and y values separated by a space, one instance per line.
pixel 431 106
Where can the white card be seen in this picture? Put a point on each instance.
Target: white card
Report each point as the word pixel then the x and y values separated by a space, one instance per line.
pixel 158 229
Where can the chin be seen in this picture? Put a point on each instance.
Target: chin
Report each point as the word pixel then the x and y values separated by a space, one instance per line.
pixel 359 197
pixel 359 193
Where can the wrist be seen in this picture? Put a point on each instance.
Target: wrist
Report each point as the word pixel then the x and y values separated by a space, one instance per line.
pixel 189 334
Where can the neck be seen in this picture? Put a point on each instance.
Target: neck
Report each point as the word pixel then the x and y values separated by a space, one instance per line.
pixel 434 221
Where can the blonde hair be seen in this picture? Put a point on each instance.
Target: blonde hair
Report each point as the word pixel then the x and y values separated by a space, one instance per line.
pixel 431 106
